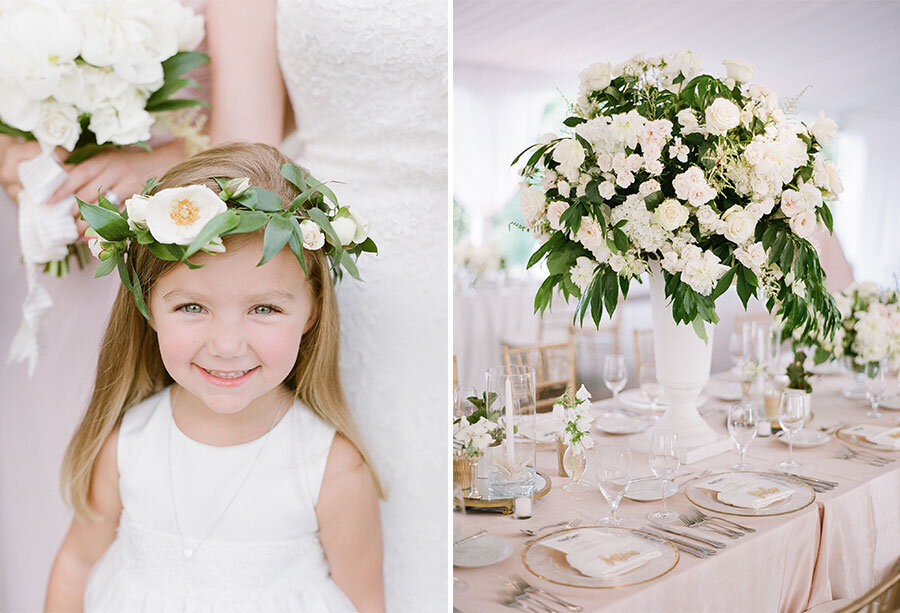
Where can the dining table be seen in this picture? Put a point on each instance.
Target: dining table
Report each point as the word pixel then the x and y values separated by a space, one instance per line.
pixel 839 546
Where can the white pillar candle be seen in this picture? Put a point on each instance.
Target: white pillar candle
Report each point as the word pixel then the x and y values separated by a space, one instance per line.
pixel 510 451
pixel 523 507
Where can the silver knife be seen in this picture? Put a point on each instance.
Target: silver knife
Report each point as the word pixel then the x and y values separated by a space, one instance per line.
pixel 707 541
pixel 811 480
pixel 702 550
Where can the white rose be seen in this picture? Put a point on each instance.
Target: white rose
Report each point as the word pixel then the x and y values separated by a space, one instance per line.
pixel 345 228
pixel 590 233
pixel 792 203
pixel 313 237
pixel 624 179
pixel 532 203
pixel 583 272
pixel 803 224
pixel 826 175
pixel 601 252
pixel 739 225
pixel 596 77
pixel 823 129
pixel 754 210
pixel 57 125
pixel 605 162
pixel 688 121
pixel 722 115
pixel 93 240
pixel 706 215
pixel 177 215
pixel 634 162
pixel 811 196
pixel 617 262
pixel 654 167
pixel 648 187
pixel 755 256
pixel 607 190
pixel 739 70
pixel 554 212
pixel 703 273
pixel 362 226
pixel 767 205
pixel 569 153
pixel 564 189
pixel 136 206
pixel 671 214
pixel 670 262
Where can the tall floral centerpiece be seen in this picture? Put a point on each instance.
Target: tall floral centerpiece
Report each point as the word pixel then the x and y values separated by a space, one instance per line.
pixel 702 181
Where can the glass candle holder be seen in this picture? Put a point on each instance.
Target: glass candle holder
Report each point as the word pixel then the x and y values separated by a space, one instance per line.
pixel 513 466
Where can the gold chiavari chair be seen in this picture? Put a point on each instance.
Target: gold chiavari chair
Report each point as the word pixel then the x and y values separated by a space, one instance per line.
pixel 882 598
pixel 643 348
pixel 554 369
pixel 455 373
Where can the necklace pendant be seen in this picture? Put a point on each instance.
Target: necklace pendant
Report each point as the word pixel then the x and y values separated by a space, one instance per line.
pixel 188 552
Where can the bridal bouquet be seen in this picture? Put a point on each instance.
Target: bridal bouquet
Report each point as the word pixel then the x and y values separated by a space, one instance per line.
pixel 86 76
pixel 574 413
pixel 869 329
pixel 702 179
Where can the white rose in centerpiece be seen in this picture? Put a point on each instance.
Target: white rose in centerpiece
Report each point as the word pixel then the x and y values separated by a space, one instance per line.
pixel 826 176
pixel 739 226
pixel 752 256
pixel 722 115
pixel 313 237
pixel 596 77
pixel 607 190
pixel 176 215
pixel 583 272
pixel 564 188
pixel 739 70
pixel 58 125
pixel 569 154
pixel 671 214
pixel 793 203
pixel 554 212
pixel 532 203
pixel 702 273
pixel 590 233
pixel 803 224
pixel 136 206
pixel 824 129
pixel 345 228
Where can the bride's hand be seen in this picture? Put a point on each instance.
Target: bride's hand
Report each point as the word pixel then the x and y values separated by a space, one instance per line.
pixel 13 153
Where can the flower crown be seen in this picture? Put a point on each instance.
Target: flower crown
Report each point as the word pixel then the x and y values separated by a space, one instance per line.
pixel 176 223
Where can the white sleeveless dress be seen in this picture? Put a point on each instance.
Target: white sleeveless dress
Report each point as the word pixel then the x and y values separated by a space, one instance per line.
pixel 264 556
pixel 368 85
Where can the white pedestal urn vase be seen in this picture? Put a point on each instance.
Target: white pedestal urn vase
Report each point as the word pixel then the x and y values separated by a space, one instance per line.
pixel 682 368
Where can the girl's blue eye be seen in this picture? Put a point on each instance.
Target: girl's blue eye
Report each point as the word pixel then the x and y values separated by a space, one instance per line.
pixel 266 309
pixel 191 308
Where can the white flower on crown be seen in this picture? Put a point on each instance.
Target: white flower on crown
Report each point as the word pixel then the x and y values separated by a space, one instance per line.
pixel 313 237
pixel 136 206
pixel 177 215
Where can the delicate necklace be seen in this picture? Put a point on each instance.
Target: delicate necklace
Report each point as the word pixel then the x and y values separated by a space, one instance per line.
pixel 188 552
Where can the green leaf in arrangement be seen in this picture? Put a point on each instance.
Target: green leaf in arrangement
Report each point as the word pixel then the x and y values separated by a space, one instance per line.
pixel 278 232
pixel 144 236
pixel 824 213
pixel 620 239
pixel 571 122
pixel 183 62
pixel 165 252
pixel 84 152
pixel 724 283
pixel 535 156
pixel 15 132
pixel 138 293
pixel 168 88
pixel 175 104
pixel 610 290
pixel 106 204
pixel 523 153
pixel 653 200
pixel 368 246
pixel 700 328
pixel 214 227
pixel 108 224
pixel 124 273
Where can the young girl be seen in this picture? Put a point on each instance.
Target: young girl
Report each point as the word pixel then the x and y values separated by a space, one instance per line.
pixel 217 467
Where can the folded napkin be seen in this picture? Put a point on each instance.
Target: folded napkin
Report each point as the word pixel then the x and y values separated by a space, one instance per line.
pixel 545 428
pixel 601 555
pixel 888 437
pixel 755 496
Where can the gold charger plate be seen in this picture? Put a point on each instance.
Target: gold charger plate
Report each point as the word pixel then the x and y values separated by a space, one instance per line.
pixel 551 565
pixel 705 499
pixel 506 504
pixel 859 441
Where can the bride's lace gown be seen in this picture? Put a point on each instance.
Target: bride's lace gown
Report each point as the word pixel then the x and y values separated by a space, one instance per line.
pixel 368 83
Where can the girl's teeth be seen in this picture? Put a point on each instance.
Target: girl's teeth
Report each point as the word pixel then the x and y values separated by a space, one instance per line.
pixel 228 375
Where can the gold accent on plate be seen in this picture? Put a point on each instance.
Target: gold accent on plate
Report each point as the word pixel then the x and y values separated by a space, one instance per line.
pixel 599 587
pixel 863 443
pixel 507 503
pixel 799 483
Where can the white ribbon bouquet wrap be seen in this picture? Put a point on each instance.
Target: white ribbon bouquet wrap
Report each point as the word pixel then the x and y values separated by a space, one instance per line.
pixel 84 76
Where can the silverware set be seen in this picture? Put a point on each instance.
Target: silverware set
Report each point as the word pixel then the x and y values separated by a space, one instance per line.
pixel 572 523
pixel 818 485
pixel 866 457
pixel 519 594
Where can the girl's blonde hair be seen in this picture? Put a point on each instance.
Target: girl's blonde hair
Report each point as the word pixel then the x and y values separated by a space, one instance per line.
pixel 130 368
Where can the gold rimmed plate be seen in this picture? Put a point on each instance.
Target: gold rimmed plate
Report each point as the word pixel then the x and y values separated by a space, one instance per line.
pixel 861 441
pixel 551 565
pixel 505 505
pixel 802 497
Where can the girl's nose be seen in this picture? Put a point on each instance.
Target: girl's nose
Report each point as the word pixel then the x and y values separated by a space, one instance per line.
pixel 226 340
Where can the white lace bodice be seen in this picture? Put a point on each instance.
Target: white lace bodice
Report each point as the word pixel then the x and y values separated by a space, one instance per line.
pixel 368 84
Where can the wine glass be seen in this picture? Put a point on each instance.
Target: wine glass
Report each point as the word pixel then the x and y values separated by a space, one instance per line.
pixel 575 461
pixel 650 385
pixel 615 374
pixel 735 349
pixel 458 506
pixel 664 462
pixel 875 386
pixel 742 429
pixel 791 415
pixel 613 477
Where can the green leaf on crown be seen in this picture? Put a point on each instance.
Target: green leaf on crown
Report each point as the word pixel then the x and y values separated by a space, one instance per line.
pixel 278 232
pixel 296 243
pixel 348 263
pixel 293 174
pixel 105 267
pixel 214 227
pixel 319 216
pixel 266 200
pixel 248 221
pixel 108 224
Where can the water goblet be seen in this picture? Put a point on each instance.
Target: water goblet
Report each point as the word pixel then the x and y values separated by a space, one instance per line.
pixel 791 414
pixel 613 477
pixel 735 349
pixel 742 422
pixel 615 374
pixel 875 387
pixel 650 385
pixel 665 459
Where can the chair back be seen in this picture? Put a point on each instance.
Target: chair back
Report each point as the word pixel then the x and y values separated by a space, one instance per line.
pixel 554 369
pixel 883 598
pixel 643 348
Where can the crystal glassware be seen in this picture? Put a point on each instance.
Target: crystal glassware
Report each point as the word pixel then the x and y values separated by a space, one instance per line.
pixel 735 349
pixel 742 422
pixel 791 414
pixel 665 459
pixel 875 387
pixel 613 477
pixel 512 472
pixel 575 463
pixel 615 373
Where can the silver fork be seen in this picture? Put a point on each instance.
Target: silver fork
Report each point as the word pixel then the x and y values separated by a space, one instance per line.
pixel 871 454
pixel 850 454
pixel 524 586
pixel 511 598
pixel 703 515
pixel 572 524
pixel 697 522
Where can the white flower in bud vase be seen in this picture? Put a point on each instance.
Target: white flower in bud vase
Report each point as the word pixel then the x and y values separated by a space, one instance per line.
pixel 824 129
pixel 722 115
pixel 136 206
pixel 582 394
pixel 671 214
pixel 362 226
pixel 313 237
pixel 176 215
pixel 345 228
pixel 58 125
pixel 234 188
pixel 596 77
pixel 739 70
pixel 583 272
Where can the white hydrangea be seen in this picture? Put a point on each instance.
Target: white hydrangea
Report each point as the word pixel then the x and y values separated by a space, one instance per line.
pixel 582 274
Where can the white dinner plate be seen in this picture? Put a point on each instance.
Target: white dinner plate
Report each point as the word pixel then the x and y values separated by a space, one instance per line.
pixel 805 438
pixel 482 551
pixel 611 422
pixel 647 490
pixel 728 391
pixel 891 402
pixel 635 398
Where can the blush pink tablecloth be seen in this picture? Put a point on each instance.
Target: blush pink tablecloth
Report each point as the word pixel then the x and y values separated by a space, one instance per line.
pixel 838 547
